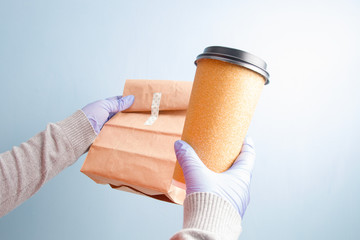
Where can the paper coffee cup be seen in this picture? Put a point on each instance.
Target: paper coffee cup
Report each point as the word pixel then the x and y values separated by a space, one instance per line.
pixel 226 89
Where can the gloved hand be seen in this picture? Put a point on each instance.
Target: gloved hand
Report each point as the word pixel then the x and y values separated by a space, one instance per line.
pixel 232 185
pixel 101 111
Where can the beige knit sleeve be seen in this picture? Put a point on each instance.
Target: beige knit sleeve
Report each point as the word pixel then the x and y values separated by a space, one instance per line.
pixel 208 216
pixel 25 168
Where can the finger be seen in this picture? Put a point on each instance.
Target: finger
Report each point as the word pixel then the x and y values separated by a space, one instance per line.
pixel 110 116
pixel 117 104
pixel 114 98
pixel 248 146
pixel 187 157
pixel 125 102
pixel 246 159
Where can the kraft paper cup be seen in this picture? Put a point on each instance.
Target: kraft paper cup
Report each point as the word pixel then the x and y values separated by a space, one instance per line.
pixel 226 89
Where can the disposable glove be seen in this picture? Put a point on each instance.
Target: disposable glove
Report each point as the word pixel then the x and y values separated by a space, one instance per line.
pixel 232 185
pixel 101 111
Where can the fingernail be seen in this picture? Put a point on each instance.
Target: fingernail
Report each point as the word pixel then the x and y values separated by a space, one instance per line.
pixel 248 140
pixel 130 98
pixel 128 101
pixel 178 145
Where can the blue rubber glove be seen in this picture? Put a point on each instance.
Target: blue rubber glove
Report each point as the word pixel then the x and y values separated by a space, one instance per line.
pixel 101 111
pixel 232 185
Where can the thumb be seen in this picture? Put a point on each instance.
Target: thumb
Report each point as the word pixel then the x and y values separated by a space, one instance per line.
pixel 246 159
pixel 118 104
pixel 188 159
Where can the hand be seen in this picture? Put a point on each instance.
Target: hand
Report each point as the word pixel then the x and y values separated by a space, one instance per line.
pixel 232 185
pixel 101 111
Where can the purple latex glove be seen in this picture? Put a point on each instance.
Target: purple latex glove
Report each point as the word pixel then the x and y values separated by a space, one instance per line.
pixel 232 185
pixel 101 111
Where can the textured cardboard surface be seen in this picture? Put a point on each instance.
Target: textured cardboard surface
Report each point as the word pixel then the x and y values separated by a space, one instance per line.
pixel 222 103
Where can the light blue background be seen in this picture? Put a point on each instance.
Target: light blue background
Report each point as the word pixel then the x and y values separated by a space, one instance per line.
pixel 57 56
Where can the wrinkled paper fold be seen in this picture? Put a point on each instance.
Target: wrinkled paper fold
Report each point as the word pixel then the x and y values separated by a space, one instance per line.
pixel 131 156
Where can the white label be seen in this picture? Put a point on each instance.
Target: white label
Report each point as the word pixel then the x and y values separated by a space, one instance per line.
pixel 155 107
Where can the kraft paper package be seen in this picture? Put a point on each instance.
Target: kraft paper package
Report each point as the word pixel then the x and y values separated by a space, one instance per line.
pixel 134 151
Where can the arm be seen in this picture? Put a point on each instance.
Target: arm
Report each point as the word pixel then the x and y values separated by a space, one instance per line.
pixel 24 169
pixel 215 202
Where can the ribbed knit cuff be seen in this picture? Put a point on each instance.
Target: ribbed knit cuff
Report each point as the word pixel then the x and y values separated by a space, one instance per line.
pixel 210 212
pixel 79 131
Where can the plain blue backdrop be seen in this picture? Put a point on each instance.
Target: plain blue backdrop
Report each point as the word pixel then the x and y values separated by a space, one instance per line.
pixel 57 56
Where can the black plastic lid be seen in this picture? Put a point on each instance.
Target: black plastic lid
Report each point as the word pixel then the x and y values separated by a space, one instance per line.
pixel 238 57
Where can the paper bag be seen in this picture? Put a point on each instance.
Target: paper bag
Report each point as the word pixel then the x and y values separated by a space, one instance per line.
pixel 131 155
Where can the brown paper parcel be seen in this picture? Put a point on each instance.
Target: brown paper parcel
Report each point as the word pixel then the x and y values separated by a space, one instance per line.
pixel 131 156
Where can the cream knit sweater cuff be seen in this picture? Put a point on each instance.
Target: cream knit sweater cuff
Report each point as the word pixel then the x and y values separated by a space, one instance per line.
pixel 79 132
pixel 211 213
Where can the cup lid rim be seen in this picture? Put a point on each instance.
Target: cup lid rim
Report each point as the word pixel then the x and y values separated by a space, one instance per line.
pixel 238 57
